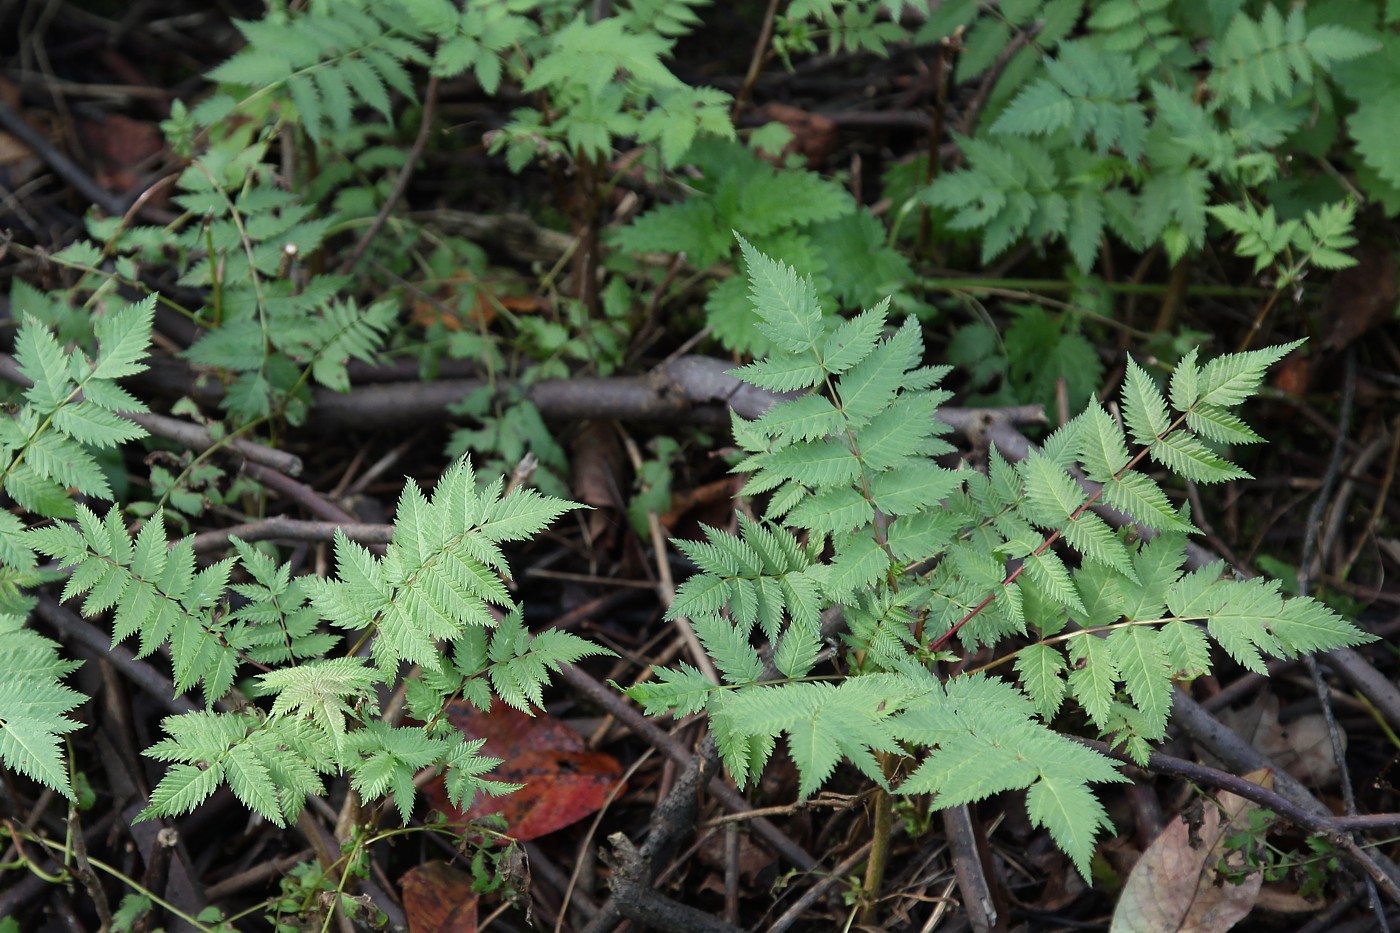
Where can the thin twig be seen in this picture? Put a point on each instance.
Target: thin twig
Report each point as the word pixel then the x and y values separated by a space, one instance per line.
pixel 974 108
pixel 1382 495
pixel 66 168
pixel 810 896
pixel 300 493
pixel 198 438
pixel 760 52
pixel 258 874
pixel 1302 808
pixel 612 702
pixel 1336 829
pixel 1324 496
pixel 85 873
pixel 425 126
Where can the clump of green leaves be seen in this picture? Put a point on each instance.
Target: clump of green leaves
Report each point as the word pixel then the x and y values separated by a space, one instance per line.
pixel 809 222
pixel 72 409
pixel 859 517
pixel 427 601
pixel 1108 132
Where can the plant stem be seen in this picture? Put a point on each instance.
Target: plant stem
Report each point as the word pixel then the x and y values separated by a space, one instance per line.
pixel 1045 545
pixel 880 833
pixel 1117 288
pixel 760 52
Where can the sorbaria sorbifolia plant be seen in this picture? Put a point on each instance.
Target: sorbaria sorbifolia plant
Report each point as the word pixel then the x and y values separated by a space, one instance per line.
pixel 921 560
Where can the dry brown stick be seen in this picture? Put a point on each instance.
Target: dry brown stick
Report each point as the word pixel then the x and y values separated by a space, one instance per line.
pixel 1315 819
pixel 979 904
pixel 1314 520
pixel 65 167
pixel 84 868
pixel 665 584
pixel 180 432
pixel 684 389
pixel 1378 507
pixel 636 869
pixel 282 528
pixel 1300 809
pixel 731 873
pixel 425 126
pixel 198 438
pixel 327 850
pixel 256 875
pixel 19 893
pixel 975 106
pixel 760 52
pixel 810 896
pixel 611 701
pixel 300 493
pixel 140 673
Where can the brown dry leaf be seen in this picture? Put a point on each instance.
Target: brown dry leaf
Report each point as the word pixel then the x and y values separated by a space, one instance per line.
pixel 1293 376
pixel 814 137
pixel 1302 747
pixel 15 157
pixel 600 473
pixel 438 898
pixel 121 149
pixel 1361 298
pixel 1176 886
pixel 711 504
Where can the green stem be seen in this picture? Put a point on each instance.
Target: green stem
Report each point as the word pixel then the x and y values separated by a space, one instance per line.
pixel 880 833
pixel 1117 288
pixel 131 883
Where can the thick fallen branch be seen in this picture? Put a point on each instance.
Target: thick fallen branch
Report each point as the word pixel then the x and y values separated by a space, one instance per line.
pixel 635 868
pixel 697 389
pixel 191 436
pixel 1302 812
pixel 1209 733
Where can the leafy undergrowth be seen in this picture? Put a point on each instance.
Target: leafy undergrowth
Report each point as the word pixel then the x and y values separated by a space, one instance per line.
pixel 485 459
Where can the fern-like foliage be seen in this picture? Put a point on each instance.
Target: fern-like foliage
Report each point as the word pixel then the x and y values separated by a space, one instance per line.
pixel 859 516
pixel 270 333
pixel 430 601
pixel 811 223
pixel 1088 91
pixel 267 331
pixel 1267 58
pixel 72 408
pixel 1103 135
pixel 426 601
pixel 154 590
pixel 441 572
pixel 34 705
pixel 325 61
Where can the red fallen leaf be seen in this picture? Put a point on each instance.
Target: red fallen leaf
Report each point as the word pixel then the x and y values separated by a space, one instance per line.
pixel 122 149
pixel 564 781
pixel 438 898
